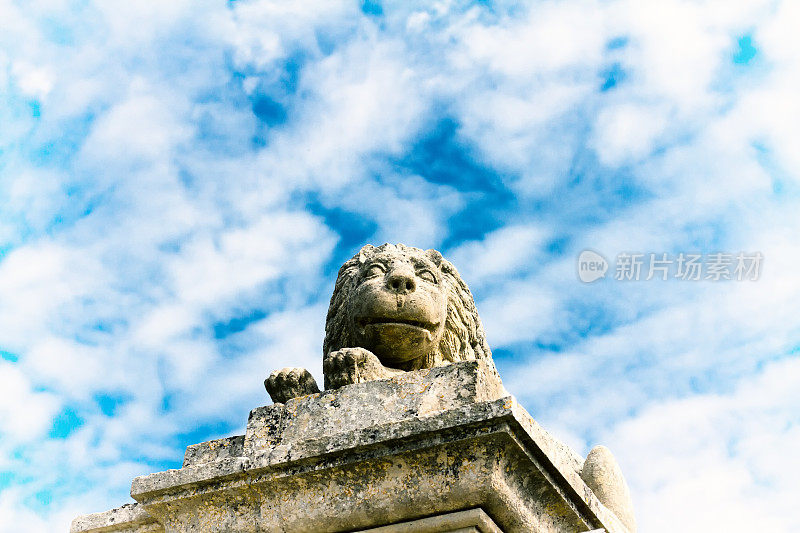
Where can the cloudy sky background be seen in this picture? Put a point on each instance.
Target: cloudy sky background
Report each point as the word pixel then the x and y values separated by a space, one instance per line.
pixel 179 182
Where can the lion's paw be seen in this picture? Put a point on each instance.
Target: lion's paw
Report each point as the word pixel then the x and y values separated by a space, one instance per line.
pixel 287 383
pixel 352 365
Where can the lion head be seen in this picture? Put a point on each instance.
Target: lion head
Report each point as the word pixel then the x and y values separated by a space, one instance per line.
pixel 408 306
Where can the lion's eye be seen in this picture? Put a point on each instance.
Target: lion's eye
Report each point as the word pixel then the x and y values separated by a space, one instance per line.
pixel 375 270
pixel 427 275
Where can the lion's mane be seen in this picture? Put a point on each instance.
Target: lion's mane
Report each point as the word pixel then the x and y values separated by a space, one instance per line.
pixel 463 338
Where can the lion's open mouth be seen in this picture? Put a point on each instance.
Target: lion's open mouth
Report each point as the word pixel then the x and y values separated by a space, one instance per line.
pixel 364 322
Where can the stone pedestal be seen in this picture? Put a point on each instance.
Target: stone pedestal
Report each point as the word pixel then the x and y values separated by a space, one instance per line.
pixel 442 449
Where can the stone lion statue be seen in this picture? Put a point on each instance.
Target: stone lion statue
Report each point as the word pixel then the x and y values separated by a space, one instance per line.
pixel 396 308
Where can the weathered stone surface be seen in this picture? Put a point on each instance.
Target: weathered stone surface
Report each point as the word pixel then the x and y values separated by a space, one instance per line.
pixel 367 405
pixel 367 479
pixel 214 450
pixel 373 454
pixel 602 474
pixel 290 382
pixel 129 518
pixel 469 521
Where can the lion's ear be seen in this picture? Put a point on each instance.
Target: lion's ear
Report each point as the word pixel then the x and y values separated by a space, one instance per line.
pixel 364 253
pixel 434 256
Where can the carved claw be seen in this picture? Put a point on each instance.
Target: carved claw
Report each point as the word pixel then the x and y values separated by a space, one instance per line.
pixel 353 365
pixel 287 383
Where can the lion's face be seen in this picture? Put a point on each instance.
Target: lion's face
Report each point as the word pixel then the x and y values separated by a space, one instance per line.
pixel 398 307
pixel 407 306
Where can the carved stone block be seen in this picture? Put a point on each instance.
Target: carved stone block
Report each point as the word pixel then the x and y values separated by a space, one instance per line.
pixel 419 448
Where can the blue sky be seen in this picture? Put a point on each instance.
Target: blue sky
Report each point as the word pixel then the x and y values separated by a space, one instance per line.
pixel 180 181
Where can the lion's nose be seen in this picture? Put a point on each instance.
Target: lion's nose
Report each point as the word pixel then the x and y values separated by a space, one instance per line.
pixel 401 282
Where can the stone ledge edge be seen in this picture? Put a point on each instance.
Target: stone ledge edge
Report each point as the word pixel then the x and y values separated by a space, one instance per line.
pixel 561 463
pixel 129 515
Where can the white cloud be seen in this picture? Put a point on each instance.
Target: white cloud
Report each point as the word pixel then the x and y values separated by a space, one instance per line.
pixel 163 324
pixel 553 37
pixel 35 282
pixel 33 81
pixel 67 367
pixel 13 513
pixel 26 414
pixel 717 461
pixel 362 98
pixel 500 254
pixel 141 130
pixel 627 132
pixel 520 312
pixel 213 268
pixel 267 31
